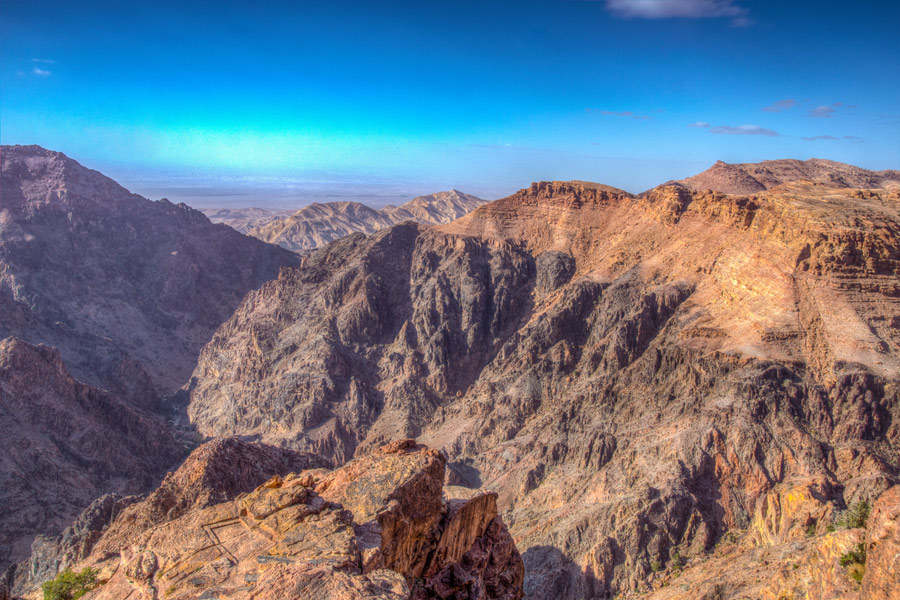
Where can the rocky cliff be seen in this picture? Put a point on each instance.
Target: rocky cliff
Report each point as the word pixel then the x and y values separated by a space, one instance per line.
pixel 379 527
pixel 634 375
pixel 318 224
pixel 105 301
pixel 63 444
pixel 127 289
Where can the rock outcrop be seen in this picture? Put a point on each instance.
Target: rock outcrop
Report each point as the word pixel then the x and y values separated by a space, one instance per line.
pixel 881 580
pixel 376 528
pixel 635 376
pixel 320 223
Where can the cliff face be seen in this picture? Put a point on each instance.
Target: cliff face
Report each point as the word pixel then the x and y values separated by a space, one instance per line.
pixel 632 374
pixel 127 289
pixel 63 444
pixel 378 527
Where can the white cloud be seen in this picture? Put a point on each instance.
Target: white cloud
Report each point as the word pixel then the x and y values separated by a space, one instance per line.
pixel 699 124
pixel 822 112
pixel 781 105
pixel 40 72
pixel 685 9
pixel 743 130
pixel 817 138
pixel 48 61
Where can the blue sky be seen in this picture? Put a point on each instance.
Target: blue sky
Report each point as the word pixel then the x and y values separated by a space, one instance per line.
pixel 483 96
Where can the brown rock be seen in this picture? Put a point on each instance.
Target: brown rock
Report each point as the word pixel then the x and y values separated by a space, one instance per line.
pixel 705 351
pixel 287 540
pixel 881 580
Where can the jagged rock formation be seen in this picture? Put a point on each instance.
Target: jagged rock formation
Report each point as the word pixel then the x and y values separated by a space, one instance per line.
pixel 750 178
pixel 634 375
pixel 376 528
pixel 63 444
pixel 127 289
pixel 216 472
pixel 318 224
pixel 244 219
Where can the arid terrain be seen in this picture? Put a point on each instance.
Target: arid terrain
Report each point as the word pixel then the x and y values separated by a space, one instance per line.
pixel 321 223
pixel 572 392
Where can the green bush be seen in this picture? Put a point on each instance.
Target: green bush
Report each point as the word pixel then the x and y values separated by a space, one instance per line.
pixel 857 555
pixel 855 516
pixel 655 566
pixel 855 561
pixel 69 585
pixel 677 561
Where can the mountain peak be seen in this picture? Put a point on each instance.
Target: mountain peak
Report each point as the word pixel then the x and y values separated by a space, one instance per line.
pixel 751 178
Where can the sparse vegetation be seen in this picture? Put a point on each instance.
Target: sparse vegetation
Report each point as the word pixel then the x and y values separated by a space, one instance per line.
pixel 854 517
pixel 69 585
pixel 855 561
pixel 655 565
pixel 677 561
pixel 811 530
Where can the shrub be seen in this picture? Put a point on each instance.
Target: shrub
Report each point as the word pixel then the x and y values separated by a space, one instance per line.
pixel 69 585
pixel 855 561
pixel 854 517
pixel 677 561
pixel 655 566
pixel 857 555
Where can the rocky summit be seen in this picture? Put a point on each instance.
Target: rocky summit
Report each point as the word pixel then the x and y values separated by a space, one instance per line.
pixel 572 392
pixel 127 289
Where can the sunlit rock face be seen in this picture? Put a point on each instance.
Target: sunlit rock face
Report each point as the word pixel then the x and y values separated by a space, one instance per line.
pixel 634 375
pixel 379 527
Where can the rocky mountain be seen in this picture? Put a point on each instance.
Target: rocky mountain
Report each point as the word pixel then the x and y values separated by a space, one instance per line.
pixel 244 219
pixel 749 178
pixel 442 207
pixel 106 299
pixel 319 224
pixel 380 527
pixel 64 444
pixel 127 289
pixel 638 377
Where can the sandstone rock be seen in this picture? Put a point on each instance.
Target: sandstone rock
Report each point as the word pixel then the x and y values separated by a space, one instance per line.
pixel 286 539
pixel 881 580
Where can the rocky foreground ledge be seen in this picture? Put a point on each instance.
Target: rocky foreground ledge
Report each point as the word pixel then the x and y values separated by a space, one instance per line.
pixel 380 527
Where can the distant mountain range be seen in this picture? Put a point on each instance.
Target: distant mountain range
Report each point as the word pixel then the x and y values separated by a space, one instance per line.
pixel 320 223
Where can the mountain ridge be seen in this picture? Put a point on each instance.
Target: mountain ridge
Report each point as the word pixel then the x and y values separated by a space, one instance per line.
pixel 320 223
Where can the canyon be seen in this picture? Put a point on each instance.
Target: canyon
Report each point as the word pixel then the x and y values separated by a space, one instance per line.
pixel 571 392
